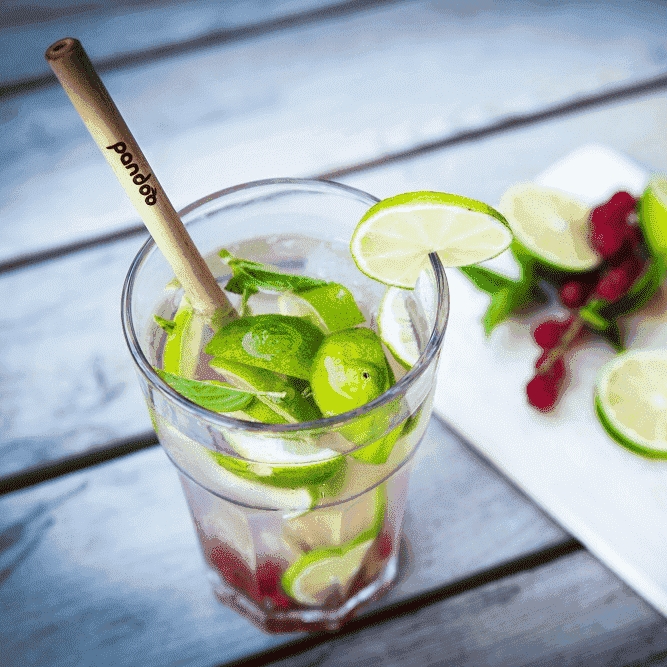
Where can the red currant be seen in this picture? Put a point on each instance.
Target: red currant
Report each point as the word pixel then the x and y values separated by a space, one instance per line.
pixel 616 282
pixel 233 569
pixel 542 393
pixel 573 293
pixel 548 334
pixel 268 584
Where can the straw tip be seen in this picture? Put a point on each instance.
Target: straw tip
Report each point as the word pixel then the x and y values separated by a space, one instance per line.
pixel 61 48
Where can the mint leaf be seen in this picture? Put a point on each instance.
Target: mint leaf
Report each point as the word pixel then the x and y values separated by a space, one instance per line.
pixel 167 326
pixel 212 395
pixel 248 276
pixel 499 309
pixel 486 280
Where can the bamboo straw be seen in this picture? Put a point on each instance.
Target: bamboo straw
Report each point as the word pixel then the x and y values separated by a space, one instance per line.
pixel 91 99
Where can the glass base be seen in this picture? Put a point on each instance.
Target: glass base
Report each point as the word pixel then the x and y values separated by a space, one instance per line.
pixel 306 619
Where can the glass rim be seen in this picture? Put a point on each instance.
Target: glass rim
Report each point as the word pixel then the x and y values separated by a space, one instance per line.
pixel 427 357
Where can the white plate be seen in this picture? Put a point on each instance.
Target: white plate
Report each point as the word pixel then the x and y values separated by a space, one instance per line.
pixel 613 501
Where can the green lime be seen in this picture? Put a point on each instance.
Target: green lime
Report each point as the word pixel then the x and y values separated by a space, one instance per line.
pixel 349 370
pixel 396 328
pixel 338 539
pixel 184 341
pixel 631 401
pixel 279 343
pixel 330 307
pixel 310 473
pixel 295 405
pixel 325 574
pixel 653 215
pixel 551 226
pixel 392 241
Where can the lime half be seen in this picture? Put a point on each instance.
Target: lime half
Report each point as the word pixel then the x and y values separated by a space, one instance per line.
pixel 550 225
pixel 395 327
pixel 392 241
pixel 631 401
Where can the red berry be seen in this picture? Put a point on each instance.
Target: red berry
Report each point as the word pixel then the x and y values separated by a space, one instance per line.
pixel 548 334
pixel 557 370
pixel 622 202
pixel 268 585
pixel 607 231
pixel 233 569
pixel 384 545
pixel 542 393
pixel 573 293
pixel 616 282
pixel 635 236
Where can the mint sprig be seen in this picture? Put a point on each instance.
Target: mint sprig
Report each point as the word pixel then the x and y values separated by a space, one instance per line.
pixel 248 277
pixel 212 395
pixel 507 296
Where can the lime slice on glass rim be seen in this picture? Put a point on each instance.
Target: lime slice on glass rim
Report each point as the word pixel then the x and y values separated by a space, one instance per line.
pixel 631 401
pixel 393 239
pixel 551 226
pixel 328 572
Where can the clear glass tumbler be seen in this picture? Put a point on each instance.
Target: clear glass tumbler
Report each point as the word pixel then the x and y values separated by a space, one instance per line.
pixel 303 528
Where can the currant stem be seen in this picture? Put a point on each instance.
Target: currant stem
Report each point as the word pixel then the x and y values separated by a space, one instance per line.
pixel 554 354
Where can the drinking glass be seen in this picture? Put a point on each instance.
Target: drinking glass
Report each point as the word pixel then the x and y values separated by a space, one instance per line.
pixel 305 530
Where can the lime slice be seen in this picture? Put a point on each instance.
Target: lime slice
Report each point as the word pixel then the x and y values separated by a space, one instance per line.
pixel 196 461
pixel 278 343
pixel 324 575
pixel 392 241
pixel 653 215
pixel 281 476
pixel 395 327
pixel 631 401
pixel 294 407
pixel 184 341
pixel 359 519
pixel 550 225
pixel 331 307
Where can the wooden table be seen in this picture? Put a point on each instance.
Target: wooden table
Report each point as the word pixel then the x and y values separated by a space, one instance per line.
pixel 99 563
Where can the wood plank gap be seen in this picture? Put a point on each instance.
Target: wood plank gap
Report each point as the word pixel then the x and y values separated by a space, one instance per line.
pixel 575 105
pixel 467 136
pixel 414 603
pixel 76 462
pixel 214 38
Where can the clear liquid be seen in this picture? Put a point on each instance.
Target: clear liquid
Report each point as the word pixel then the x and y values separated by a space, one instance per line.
pixel 252 532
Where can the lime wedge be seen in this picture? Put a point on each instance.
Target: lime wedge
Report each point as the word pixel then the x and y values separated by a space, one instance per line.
pixel 294 407
pixel 184 341
pixel 359 519
pixel 330 307
pixel 392 241
pixel 278 343
pixel 631 401
pixel 550 225
pixel 653 215
pixel 395 327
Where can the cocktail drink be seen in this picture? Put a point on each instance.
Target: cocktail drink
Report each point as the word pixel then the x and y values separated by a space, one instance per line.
pixel 294 424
